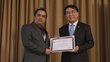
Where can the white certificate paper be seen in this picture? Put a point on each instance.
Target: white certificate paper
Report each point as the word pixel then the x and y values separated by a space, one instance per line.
pixel 62 44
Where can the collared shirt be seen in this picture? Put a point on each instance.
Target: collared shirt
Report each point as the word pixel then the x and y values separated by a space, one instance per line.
pixel 75 24
pixel 44 36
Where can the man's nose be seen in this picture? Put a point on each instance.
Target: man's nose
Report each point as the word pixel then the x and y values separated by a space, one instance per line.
pixel 70 14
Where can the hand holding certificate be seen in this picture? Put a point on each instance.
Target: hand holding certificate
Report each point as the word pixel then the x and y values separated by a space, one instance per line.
pixel 62 44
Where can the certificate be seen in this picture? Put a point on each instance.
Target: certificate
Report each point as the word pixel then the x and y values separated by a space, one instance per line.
pixel 62 44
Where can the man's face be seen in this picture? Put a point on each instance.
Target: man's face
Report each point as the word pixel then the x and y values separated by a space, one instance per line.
pixel 40 17
pixel 72 15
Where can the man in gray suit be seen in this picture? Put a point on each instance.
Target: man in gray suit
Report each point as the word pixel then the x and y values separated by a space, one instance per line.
pixel 35 39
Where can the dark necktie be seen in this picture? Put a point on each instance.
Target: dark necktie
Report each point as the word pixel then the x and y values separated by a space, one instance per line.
pixel 42 30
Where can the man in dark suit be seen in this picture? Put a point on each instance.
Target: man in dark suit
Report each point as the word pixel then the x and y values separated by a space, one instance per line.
pixel 82 33
pixel 35 39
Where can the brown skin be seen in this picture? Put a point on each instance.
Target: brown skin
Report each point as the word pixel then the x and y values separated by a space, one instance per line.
pixel 72 16
pixel 40 18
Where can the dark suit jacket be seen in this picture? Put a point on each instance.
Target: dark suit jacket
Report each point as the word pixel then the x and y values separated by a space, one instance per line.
pixel 84 40
pixel 34 44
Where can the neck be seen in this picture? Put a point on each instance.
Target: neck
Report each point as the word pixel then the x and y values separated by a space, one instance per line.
pixel 73 21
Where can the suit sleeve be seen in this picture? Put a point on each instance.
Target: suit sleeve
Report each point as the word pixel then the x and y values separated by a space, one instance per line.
pixel 27 41
pixel 89 43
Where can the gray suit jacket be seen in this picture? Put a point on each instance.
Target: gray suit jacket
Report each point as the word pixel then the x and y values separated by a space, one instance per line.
pixel 34 43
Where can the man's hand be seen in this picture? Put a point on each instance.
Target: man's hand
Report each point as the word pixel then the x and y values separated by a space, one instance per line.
pixel 47 51
pixel 76 49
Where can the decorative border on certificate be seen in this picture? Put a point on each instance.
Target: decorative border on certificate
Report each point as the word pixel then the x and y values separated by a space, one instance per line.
pixel 62 44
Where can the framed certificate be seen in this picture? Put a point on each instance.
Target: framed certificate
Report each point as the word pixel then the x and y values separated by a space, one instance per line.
pixel 62 44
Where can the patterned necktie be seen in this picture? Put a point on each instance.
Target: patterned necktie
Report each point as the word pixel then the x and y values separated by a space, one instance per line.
pixel 71 30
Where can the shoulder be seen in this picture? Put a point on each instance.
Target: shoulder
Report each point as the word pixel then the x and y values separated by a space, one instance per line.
pixel 26 27
pixel 83 24
pixel 64 26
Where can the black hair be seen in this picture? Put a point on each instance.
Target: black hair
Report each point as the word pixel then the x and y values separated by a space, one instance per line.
pixel 71 6
pixel 40 9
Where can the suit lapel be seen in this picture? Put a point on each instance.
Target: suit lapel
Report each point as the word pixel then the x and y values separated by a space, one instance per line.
pixel 77 28
pixel 66 31
pixel 37 30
